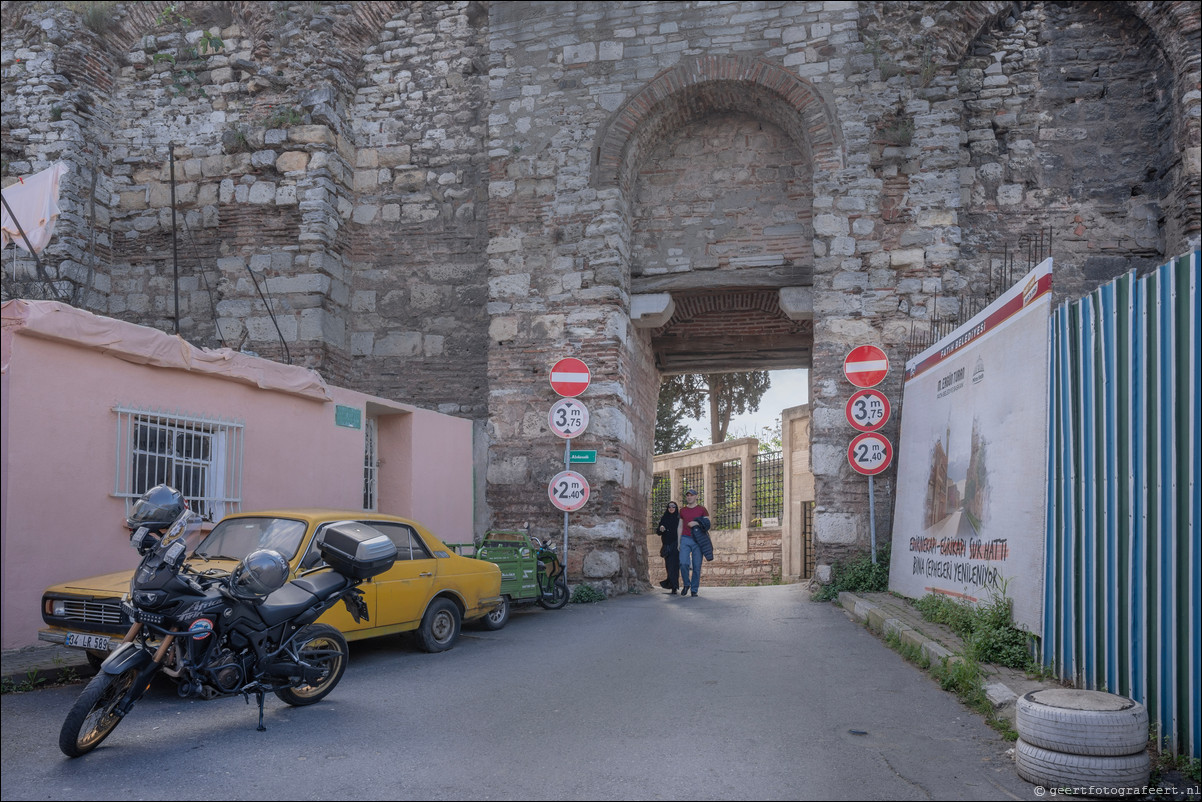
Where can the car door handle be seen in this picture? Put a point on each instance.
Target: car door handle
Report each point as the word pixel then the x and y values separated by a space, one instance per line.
pixel 426 573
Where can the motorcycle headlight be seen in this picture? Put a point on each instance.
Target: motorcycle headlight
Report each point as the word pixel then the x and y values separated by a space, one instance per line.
pixel 148 599
pixel 141 540
pixel 174 557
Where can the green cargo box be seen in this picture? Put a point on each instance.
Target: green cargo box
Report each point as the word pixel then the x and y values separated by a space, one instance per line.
pixel 514 554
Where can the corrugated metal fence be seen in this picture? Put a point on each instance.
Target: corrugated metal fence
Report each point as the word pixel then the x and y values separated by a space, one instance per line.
pixel 1121 583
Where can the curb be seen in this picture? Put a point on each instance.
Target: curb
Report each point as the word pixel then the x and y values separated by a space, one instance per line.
pixel 43 665
pixel 1002 697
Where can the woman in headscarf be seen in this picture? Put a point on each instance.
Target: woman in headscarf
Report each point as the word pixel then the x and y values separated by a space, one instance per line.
pixel 669 532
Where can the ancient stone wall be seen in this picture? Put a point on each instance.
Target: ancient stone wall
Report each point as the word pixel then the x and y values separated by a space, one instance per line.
pixel 436 201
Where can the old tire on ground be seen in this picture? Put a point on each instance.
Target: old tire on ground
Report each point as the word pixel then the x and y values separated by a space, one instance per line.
pixel 1062 770
pixel 91 719
pixel 1079 722
pixel 498 618
pixel 440 626
pixel 323 646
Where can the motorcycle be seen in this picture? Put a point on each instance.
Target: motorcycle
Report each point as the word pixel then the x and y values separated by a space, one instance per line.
pixel 224 633
pixel 552 584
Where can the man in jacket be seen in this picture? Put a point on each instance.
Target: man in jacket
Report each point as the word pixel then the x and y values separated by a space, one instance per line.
pixel 690 551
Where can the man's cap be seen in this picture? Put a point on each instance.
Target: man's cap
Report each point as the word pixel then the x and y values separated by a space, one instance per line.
pixel 690 492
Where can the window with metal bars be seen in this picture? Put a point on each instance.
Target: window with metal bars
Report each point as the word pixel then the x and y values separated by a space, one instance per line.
pixel 726 497
pixel 692 479
pixel 200 457
pixel 371 465
pixel 768 499
pixel 807 537
pixel 661 494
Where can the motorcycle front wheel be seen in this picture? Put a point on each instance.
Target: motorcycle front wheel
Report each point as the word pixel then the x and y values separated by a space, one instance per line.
pixel 322 646
pixel 92 717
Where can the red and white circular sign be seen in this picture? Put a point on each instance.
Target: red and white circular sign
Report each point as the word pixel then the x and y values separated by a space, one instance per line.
pixel 870 453
pixel 866 366
pixel 867 410
pixel 568 491
pixel 570 377
pixel 568 417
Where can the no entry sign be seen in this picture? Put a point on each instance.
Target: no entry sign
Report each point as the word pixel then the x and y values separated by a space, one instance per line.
pixel 870 453
pixel 570 377
pixel 867 410
pixel 568 491
pixel 568 417
pixel 866 366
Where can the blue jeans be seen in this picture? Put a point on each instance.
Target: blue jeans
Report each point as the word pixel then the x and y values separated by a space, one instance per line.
pixel 690 555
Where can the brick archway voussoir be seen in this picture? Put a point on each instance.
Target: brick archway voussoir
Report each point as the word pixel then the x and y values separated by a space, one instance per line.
pixel 671 90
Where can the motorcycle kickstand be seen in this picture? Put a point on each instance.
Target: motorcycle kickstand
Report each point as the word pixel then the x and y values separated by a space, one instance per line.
pixel 259 695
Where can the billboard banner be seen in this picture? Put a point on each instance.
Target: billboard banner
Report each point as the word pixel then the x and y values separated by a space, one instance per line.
pixel 972 460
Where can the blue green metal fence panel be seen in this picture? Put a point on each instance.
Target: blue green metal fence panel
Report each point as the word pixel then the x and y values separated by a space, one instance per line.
pixel 1122 558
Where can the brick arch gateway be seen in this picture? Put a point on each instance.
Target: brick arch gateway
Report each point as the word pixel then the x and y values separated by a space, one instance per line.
pixel 442 199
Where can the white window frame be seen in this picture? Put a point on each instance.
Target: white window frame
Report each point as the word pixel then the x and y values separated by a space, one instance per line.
pixel 371 465
pixel 210 480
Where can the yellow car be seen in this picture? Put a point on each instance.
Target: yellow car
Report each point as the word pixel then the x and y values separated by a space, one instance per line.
pixel 429 588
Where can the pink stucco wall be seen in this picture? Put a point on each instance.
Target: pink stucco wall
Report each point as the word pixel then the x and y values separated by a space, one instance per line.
pixel 61 521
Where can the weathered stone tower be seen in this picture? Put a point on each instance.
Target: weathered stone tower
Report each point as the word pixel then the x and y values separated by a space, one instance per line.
pixel 435 201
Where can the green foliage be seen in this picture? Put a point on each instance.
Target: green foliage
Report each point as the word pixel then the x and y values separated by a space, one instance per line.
pixel 31 682
pixel 283 117
pixel 722 395
pixel 912 652
pixel 96 16
pixel 987 629
pixel 586 594
pixel 963 677
pixel 771 438
pixel 859 575
pixel 671 434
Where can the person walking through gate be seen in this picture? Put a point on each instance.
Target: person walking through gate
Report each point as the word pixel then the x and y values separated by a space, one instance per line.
pixel 669 532
pixel 690 551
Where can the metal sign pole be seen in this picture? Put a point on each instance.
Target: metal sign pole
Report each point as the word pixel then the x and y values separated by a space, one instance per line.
pixel 567 458
pixel 872 518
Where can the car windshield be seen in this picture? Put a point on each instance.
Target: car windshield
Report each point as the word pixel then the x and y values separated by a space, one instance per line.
pixel 234 538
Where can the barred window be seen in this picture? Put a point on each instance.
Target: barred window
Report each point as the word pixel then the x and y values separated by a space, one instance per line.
pixel 661 494
pixel 200 457
pixel 693 478
pixel 371 465
pixel 726 499
pixel 769 497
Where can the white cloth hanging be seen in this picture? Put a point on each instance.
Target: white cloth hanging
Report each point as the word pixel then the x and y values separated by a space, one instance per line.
pixel 34 201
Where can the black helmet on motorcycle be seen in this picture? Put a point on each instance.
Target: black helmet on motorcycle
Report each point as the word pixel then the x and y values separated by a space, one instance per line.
pixel 260 573
pixel 158 508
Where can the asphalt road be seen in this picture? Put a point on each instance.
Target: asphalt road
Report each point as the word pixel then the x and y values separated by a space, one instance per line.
pixel 741 693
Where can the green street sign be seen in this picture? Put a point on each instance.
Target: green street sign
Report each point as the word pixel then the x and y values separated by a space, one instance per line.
pixel 582 456
pixel 350 417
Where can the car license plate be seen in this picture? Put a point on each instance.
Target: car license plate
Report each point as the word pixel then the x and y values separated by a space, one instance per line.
pixel 78 639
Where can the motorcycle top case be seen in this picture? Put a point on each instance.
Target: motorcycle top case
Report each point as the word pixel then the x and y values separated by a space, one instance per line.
pixel 357 550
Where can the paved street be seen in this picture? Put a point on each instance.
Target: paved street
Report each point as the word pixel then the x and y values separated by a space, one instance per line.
pixel 741 693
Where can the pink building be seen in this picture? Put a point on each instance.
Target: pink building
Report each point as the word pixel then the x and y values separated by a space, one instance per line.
pixel 94 410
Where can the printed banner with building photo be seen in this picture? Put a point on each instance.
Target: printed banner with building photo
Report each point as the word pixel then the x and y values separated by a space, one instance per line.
pixel 969 516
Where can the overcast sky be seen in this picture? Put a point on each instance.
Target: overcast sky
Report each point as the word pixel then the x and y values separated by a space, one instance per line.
pixel 789 388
